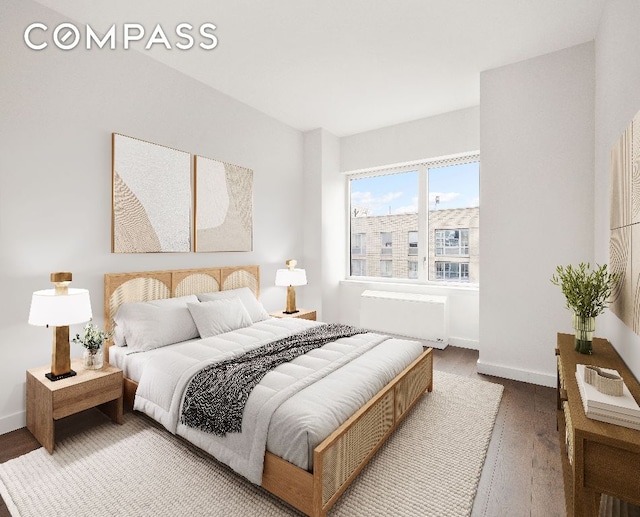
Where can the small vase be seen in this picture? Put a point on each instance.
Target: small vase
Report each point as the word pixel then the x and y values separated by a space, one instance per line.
pixel 92 358
pixel 584 327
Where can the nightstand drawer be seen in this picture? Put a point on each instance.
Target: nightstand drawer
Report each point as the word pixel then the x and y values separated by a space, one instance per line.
pixel 85 396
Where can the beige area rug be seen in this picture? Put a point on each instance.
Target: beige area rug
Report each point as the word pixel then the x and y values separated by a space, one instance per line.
pixel 430 466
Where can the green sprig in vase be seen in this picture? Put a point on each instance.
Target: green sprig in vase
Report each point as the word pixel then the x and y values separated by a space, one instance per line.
pixel 587 293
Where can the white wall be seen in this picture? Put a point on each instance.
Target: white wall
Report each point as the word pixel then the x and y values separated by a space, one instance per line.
pixel 537 187
pixel 441 135
pixel 324 223
pixel 617 99
pixel 58 112
pixel 451 133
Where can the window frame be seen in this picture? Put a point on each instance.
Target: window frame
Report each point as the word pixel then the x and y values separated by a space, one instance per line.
pixel 460 268
pixel 386 246
pixel 385 261
pixel 422 166
pixel 362 247
pixel 412 251
pixel 363 262
pixel 410 270
pixel 460 248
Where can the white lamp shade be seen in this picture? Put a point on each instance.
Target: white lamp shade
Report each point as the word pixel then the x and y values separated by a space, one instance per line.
pixel 59 310
pixel 294 277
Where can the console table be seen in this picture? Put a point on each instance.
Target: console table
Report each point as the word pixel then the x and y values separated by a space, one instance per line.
pixel 597 458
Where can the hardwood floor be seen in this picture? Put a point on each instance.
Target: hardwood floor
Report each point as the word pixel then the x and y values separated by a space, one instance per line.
pixel 522 475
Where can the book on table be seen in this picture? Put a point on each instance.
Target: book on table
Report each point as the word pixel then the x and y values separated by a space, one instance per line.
pixel 622 410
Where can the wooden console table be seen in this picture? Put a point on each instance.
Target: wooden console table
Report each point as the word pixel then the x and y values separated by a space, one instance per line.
pixel 602 458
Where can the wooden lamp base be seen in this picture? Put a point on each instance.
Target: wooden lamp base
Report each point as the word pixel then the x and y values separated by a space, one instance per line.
pixel 60 350
pixel 60 355
pixel 291 301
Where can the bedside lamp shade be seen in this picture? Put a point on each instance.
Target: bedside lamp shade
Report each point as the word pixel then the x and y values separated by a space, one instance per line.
pixel 59 308
pixel 49 309
pixel 291 277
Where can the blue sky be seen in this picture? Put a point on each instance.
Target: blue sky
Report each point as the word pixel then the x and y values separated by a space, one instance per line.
pixel 455 186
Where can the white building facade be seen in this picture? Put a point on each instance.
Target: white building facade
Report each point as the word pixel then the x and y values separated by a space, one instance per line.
pixel 387 246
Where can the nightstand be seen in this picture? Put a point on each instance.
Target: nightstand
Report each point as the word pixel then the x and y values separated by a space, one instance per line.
pixel 303 314
pixel 49 401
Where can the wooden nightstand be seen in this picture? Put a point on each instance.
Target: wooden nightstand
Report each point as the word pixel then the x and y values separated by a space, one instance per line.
pixel 303 314
pixel 49 401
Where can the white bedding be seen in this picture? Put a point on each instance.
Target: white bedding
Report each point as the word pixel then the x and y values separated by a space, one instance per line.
pixel 298 420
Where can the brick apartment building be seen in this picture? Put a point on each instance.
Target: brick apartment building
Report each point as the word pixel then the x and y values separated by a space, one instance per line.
pixel 387 245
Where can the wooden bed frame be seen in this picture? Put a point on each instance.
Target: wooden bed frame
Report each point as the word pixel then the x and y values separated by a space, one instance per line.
pixel 342 455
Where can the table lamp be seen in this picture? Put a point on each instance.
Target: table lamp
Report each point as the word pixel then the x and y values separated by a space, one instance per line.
pixel 59 308
pixel 290 278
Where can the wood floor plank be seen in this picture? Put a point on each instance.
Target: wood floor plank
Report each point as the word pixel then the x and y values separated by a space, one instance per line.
pixel 545 399
pixel 510 491
pixel 547 488
pixel 16 443
pixel 493 457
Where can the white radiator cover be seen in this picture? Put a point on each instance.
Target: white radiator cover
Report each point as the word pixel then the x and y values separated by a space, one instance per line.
pixel 420 316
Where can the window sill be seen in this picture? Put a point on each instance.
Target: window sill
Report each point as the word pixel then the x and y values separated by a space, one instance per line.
pixel 411 285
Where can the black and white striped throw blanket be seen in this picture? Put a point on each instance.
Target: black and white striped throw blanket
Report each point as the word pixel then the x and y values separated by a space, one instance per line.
pixel 216 396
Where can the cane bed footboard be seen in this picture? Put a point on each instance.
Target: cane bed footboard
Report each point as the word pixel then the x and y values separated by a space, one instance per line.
pixel 342 455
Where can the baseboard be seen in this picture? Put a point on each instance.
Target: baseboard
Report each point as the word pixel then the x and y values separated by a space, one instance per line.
pixel 516 374
pixel 460 342
pixel 12 422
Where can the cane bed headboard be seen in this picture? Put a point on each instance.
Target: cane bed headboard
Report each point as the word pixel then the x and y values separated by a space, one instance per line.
pixel 144 286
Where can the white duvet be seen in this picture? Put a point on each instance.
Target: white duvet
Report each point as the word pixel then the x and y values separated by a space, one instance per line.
pixel 292 409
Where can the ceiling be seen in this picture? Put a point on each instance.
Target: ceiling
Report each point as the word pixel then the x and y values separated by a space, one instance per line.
pixel 350 66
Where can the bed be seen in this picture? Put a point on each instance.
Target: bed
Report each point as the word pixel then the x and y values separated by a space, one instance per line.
pixel 338 458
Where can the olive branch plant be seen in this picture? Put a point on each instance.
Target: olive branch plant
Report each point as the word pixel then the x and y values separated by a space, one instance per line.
pixel 586 290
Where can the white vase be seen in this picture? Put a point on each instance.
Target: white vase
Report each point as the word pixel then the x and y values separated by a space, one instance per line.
pixel 92 358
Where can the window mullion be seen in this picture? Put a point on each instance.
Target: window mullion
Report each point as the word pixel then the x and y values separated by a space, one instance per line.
pixel 423 224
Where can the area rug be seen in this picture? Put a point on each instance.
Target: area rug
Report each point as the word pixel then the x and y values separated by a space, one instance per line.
pixel 430 466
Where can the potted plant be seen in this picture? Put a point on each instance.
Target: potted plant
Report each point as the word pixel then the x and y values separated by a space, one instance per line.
pixel 92 340
pixel 587 294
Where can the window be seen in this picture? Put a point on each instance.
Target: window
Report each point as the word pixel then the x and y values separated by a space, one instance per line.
pixel 430 209
pixel 358 267
pixel 452 271
pixel 358 244
pixel 452 242
pixel 386 243
pixel 413 243
pixel 386 268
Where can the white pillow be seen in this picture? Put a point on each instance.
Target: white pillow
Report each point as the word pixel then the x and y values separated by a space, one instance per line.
pixel 219 316
pixel 148 325
pixel 255 309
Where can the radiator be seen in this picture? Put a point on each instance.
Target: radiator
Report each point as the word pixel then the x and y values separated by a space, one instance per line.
pixel 420 316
